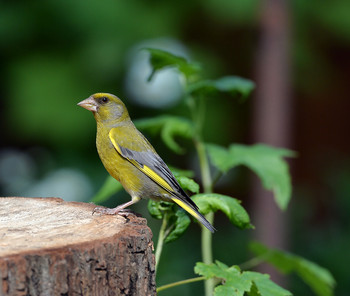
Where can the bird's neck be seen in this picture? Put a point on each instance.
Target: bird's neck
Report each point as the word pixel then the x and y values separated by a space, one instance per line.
pixel 109 124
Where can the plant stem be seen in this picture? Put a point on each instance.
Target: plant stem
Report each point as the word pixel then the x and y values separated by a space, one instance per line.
pixel 204 166
pixel 254 262
pixel 207 253
pixel 179 283
pixel 198 109
pixel 160 241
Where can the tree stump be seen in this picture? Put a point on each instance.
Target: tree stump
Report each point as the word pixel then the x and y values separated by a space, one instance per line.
pixel 52 247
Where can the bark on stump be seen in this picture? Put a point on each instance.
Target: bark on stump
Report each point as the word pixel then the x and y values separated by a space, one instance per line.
pixel 52 247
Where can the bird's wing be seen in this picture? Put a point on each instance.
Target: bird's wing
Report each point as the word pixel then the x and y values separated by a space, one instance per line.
pixel 150 163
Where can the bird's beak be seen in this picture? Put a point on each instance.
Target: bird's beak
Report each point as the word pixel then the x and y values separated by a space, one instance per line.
pixel 89 104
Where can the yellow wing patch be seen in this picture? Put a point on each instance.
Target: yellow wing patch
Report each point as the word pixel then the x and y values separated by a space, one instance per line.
pixel 143 168
pixel 158 179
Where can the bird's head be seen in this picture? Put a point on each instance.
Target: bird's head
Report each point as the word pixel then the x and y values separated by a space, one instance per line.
pixel 106 108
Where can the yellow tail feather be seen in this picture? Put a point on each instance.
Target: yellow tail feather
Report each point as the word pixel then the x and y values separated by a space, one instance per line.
pixel 194 213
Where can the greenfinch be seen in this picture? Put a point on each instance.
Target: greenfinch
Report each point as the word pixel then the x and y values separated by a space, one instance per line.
pixel 130 158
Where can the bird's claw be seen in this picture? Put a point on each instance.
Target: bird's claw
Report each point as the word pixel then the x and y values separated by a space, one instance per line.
pixel 114 211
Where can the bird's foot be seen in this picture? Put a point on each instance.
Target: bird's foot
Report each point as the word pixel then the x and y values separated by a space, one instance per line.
pixel 106 211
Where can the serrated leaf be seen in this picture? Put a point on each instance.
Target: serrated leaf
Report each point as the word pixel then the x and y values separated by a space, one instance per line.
pixel 233 285
pixel 168 127
pixel 161 59
pixel 110 186
pixel 233 85
pixel 237 283
pixel 188 184
pixel 217 269
pixel 211 202
pixel 182 222
pixel 254 291
pixel 266 161
pixel 264 285
pixel 318 278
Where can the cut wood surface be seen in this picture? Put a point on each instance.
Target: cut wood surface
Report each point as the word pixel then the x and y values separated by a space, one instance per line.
pixel 52 247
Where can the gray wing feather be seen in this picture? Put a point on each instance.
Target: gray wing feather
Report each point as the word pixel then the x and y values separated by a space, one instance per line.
pixel 154 162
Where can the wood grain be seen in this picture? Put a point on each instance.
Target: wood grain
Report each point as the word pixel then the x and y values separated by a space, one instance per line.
pixel 52 247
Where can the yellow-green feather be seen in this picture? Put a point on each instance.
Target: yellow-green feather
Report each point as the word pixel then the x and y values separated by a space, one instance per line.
pixel 117 137
pixel 143 168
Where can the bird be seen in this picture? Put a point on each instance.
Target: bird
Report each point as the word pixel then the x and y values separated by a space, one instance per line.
pixel 130 158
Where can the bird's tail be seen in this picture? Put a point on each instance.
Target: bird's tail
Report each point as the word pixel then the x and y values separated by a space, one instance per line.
pixel 194 212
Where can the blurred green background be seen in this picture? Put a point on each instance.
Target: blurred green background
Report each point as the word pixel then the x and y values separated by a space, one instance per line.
pixel 53 54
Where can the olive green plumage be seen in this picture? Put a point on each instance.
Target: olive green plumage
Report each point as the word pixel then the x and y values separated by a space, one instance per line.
pixel 130 158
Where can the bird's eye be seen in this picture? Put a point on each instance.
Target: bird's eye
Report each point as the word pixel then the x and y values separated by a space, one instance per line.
pixel 104 100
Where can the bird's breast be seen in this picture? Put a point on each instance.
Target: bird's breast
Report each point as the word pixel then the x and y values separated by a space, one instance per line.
pixel 134 181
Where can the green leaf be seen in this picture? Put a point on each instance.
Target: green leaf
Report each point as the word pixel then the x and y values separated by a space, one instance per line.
pixel 168 127
pixel 221 158
pixel 235 282
pixel 180 172
pixel 233 85
pixel 182 221
pixel 111 186
pixel 318 278
pixel 188 184
pixel 266 161
pixel 263 285
pixel 161 59
pixel 157 208
pixel 154 210
pixel 178 220
pixel 216 270
pixel 211 202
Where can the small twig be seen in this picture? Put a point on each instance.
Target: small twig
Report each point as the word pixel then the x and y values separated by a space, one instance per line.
pixel 161 238
pixel 179 283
